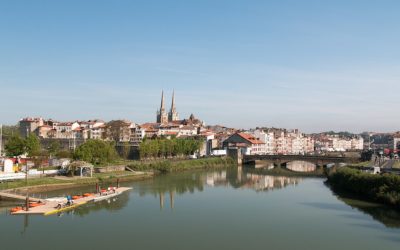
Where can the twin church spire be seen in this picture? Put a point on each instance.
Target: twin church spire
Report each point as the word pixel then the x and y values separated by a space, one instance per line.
pixel 162 115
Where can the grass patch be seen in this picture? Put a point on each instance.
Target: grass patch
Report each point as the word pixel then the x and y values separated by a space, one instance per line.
pixel 31 182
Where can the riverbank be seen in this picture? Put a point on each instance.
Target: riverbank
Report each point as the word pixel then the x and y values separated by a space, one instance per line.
pixel 57 183
pixel 383 189
pixel 143 170
pixel 167 166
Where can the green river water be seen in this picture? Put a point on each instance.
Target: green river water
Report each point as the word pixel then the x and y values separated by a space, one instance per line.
pixel 224 209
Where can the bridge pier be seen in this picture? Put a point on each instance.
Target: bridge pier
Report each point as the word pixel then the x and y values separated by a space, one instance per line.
pixel 236 154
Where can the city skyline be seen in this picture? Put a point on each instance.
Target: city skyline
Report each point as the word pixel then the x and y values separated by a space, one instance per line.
pixel 313 66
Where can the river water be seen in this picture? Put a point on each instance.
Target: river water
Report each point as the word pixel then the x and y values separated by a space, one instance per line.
pixel 224 209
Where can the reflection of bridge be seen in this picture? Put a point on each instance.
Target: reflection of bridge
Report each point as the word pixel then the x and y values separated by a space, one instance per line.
pixel 319 160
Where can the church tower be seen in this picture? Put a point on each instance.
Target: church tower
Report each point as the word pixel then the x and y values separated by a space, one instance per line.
pixel 173 115
pixel 162 116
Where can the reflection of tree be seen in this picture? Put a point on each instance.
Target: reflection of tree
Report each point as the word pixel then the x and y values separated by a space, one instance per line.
pixel 178 183
pixel 171 184
pixel 388 216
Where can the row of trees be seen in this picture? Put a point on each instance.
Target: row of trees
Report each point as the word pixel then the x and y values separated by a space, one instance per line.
pixel 168 147
pixel 100 152
pixel 31 146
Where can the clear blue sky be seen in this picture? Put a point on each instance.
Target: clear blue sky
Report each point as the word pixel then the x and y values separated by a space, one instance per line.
pixel 313 65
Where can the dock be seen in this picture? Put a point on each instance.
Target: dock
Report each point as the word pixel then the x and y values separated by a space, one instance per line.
pixel 17 197
pixel 49 206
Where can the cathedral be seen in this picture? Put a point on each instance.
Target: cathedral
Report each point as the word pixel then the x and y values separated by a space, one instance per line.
pixel 162 115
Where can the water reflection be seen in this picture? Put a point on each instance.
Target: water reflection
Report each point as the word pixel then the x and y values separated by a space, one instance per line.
pixel 197 181
pixel 181 183
pixel 257 182
pixel 301 166
pixel 111 205
pixel 167 188
pixel 388 216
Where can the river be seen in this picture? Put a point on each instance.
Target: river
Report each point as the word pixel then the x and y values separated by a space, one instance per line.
pixel 224 209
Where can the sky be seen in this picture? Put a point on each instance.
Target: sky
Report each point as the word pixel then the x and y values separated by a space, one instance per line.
pixel 312 65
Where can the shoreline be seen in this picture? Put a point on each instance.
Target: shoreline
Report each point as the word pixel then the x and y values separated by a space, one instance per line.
pixel 65 184
pixel 143 170
pixel 381 189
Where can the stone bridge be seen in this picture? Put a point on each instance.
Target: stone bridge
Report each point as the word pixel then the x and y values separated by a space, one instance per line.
pixel 279 160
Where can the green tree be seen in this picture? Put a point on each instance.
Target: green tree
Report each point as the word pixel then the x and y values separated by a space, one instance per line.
pixel 125 150
pixel 168 147
pixel 15 146
pixel 54 148
pixel 9 131
pixel 64 154
pixel 32 145
pixel 39 157
pixel 96 152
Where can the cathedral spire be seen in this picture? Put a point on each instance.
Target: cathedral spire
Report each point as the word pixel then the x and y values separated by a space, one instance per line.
pixel 162 116
pixel 173 115
pixel 173 101
pixel 162 101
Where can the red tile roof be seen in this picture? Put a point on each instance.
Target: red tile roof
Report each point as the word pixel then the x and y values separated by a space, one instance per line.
pixel 171 133
pixel 250 138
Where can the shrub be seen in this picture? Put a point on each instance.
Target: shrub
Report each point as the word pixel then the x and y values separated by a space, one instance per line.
pixel 380 188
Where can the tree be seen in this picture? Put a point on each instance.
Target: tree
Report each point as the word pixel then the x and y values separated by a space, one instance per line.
pixel 168 147
pixel 125 150
pixel 64 154
pixel 32 145
pixel 96 152
pixel 9 131
pixel 39 157
pixel 54 147
pixel 15 146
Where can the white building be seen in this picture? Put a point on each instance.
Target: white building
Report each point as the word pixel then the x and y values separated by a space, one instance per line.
pixel 266 137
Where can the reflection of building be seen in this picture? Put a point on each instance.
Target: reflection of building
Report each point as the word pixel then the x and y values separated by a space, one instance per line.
pixel 171 200
pixel 216 178
pixel 267 182
pixel 257 182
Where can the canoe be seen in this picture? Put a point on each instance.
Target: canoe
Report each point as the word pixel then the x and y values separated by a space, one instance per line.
pixel 16 209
